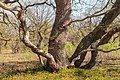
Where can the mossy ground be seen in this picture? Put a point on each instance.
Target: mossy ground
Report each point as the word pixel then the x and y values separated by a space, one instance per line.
pixel 66 74
pixel 25 66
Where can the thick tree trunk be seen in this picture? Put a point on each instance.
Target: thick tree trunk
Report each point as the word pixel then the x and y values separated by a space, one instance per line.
pixel 98 32
pixel 58 35
pixel 103 41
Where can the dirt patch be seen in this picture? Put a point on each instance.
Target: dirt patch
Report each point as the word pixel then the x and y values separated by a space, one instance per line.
pixel 9 67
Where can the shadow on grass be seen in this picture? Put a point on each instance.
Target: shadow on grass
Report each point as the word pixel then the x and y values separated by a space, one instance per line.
pixel 14 68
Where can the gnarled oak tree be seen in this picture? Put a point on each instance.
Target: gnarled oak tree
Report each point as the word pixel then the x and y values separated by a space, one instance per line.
pixel 56 55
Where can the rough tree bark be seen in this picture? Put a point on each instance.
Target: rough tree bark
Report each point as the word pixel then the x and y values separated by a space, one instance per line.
pixel 94 53
pixel 58 35
pixel 100 30
pixel 103 41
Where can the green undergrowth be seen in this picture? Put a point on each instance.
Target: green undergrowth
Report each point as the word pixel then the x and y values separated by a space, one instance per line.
pixel 65 74
pixel 70 48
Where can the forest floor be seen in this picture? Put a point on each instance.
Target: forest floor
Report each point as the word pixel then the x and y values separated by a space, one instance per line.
pixel 25 66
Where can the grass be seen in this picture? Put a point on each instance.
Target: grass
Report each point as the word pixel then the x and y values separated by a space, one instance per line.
pixel 66 74
pixel 25 66
pixel 29 69
pixel 20 57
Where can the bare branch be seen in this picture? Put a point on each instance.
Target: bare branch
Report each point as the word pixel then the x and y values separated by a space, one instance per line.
pixel 1 34
pixel 103 7
pixel 108 35
pixel 107 51
pixel 115 38
pixel 40 38
pixel 39 4
pixel 101 50
pixel 10 8
pixel 10 1
pixel 5 39
pixel 2 37
pixel 91 16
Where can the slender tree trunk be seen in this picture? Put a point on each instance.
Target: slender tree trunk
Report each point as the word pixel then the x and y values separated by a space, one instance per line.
pixel 0 46
pixel 15 48
pixel 92 61
pixel 0 49
pixel 58 35
pixel 40 38
pixel 119 38
pixel 98 32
